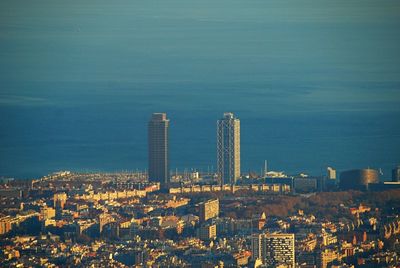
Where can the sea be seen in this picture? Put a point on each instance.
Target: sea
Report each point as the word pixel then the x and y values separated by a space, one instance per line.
pixel 314 83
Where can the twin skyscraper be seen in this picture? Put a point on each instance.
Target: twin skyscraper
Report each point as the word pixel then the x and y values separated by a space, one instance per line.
pixel 158 142
pixel 228 149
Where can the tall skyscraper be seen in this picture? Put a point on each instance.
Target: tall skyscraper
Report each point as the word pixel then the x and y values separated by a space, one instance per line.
pixel 158 149
pixel 228 148
pixel 274 249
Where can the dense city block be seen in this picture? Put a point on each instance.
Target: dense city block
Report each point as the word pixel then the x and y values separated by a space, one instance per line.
pixel 122 220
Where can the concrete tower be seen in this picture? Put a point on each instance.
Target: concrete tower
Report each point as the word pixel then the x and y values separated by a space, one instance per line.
pixel 158 149
pixel 228 148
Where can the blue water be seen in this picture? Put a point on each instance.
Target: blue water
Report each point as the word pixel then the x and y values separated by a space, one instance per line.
pixel 315 83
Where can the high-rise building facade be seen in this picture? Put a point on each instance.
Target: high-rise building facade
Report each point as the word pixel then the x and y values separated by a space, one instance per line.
pixel 330 181
pixel 207 231
pixel 209 209
pixel 274 249
pixel 228 148
pixel 158 149
pixel 330 173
